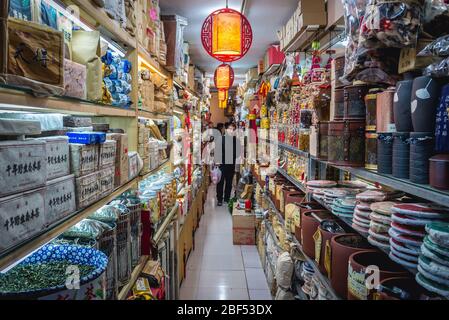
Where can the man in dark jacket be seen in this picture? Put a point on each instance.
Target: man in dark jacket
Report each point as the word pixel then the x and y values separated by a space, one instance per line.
pixel 227 159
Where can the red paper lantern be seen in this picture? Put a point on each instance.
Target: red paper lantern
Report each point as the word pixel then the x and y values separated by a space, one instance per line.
pixel 226 35
pixel 224 76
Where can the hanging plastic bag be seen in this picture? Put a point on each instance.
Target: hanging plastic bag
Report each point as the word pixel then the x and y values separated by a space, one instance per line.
pixel 215 175
pixel 438 48
pixel 392 24
pixel 436 18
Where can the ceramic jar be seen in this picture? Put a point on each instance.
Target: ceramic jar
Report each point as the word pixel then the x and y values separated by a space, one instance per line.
pixel 401 155
pixel 309 225
pixel 342 246
pixel 422 146
pixel 425 97
pixel 384 153
pixel 409 289
pixel 322 243
pixel 442 123
pixel 401 106
pixel 361 266
pixel 303 207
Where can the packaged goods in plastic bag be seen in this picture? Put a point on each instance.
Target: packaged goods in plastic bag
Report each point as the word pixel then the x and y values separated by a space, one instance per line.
pixel 438 69
pixel 86 229
pixel 215 175
pixel 284 270
pixel 106 214
pixel 392 24
pixel 439 48
pixel 436 18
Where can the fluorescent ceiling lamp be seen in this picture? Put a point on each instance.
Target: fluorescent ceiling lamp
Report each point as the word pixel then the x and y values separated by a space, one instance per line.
pixel 151 67
pixel 84 26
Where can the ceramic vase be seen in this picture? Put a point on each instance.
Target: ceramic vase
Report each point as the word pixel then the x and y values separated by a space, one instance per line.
pixel 425 97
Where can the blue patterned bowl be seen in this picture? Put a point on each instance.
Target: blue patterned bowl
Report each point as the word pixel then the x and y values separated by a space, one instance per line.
pixel 90 288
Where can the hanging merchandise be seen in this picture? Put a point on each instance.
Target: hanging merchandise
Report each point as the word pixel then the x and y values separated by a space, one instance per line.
pixel 226 35
pixel 224 76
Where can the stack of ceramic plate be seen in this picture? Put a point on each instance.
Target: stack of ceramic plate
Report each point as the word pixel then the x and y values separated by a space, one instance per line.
pixel 361 220
pixel 380 220
pixel 318 193
pixel 307 275
pixel 433 263
pixel 314 186
pixel 408 230
pixel 352 184
pixel 344 207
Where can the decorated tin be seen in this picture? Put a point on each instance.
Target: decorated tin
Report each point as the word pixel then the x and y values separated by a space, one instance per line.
pixel 346 143
pixel 354 101
pixel 371 151
pixel 371 107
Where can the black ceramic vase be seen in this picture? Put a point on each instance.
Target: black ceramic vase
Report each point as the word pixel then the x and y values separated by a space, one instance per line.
pixel 401 106
pixel 425 97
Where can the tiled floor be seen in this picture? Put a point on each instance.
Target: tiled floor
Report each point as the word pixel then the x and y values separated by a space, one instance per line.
pixel 219 270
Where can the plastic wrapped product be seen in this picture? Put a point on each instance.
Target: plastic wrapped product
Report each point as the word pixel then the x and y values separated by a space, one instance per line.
pixel 21 9
pixel 86 229
pixel 436 18
pixel 83 159
pixel 13 127
pixel 107 153
pixel 439 48
pixel 87 190
pixel 59 199
pixel 392 24
pixel 22 166
pixel 46 14
pixel 106 177
pixel 75 76
pixel 107 214
pixel 58 156
pixel 438 69
pixel 284 270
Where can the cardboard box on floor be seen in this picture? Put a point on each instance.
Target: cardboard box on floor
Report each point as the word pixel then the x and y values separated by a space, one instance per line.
pixel 243 227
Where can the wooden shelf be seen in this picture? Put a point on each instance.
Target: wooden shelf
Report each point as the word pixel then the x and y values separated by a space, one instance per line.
pixel 123 294
pixel 153 115
pixel 297 184
pixel 110 26
pixel 154 171
pixel 16 254
pixel 152 63
pixel 20 100
pixel 302 39
pixel 419 190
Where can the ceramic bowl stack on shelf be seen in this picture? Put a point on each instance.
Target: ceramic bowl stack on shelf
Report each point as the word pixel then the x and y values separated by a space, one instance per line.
pixel 407 231
pixel 344 207
pixel 380 221
pixel 318 187
pixel 362 212
pixel 433 263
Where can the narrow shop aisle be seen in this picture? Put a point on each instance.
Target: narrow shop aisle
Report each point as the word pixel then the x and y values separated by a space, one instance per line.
pixel 217 269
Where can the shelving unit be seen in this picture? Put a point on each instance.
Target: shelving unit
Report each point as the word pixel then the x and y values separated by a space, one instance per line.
pixel 134 276
pixel 293 150
pixel 297 184
pixel 15 255
pixel 422 191
pixel 323 279
pixel 15 99
pixel 348 222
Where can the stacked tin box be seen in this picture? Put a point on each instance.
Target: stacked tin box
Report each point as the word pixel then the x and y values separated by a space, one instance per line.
pixel 92 161
pixel 36 187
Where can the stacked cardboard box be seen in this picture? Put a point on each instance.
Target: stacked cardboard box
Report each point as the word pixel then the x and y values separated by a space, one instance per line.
pixel 308 13
pixel 243 227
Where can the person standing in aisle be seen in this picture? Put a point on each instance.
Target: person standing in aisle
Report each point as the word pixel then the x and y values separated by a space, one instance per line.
pixel 228 157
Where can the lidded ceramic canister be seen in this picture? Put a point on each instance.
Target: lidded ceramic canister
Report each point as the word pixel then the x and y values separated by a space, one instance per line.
pixel 401 106
pixel 310 221
pixel 385 114
pixel 323 236
pixel 425 97
pixel 361 266
pixel 303 207
pixel 342 246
